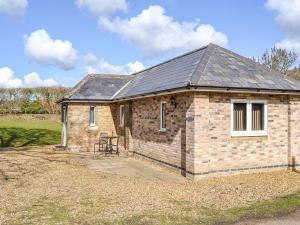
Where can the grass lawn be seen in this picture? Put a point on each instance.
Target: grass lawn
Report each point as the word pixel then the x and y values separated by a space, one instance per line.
pixel 19 131
pixel 42 186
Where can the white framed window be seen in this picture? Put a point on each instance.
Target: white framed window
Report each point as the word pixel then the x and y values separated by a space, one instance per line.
pixel 163 125
pixel 121 116
pixel 249 117
pixel 92 115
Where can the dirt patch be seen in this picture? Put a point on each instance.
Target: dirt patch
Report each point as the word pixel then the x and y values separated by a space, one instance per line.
pixel 42 186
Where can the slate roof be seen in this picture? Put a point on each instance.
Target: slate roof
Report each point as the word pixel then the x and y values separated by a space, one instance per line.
pixel 223 68
pixel 98 87
pixel 174 73
pixel 207 67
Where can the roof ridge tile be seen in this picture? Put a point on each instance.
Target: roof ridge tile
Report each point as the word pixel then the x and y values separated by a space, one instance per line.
pixel 196 74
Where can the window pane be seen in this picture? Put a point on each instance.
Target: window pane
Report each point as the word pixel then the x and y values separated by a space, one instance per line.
pixel 239 116
pixel 257 116
pixel 121 115
pixel 163 115
pixel 92 115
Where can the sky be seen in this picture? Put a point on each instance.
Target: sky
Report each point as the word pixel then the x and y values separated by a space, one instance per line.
pixel 58 42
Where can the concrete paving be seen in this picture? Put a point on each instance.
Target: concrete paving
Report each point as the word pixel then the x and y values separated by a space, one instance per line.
pixel 128 166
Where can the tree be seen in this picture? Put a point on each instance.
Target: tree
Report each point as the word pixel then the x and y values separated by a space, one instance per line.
pixel 31 100
pixel 279 59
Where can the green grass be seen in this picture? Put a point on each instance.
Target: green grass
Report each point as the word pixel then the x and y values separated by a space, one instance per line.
pixel 52 212
pixel 20 132
pixel 191 214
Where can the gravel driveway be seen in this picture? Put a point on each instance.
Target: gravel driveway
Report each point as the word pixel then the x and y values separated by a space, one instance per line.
pixel 42 186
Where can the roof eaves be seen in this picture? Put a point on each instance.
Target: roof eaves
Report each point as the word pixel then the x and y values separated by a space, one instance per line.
pixel 88 100
pixel 256 90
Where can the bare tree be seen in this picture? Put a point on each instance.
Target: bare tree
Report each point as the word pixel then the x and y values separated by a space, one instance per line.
pixel 279 59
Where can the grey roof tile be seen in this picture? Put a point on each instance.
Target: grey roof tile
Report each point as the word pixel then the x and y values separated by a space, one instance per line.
pixel 237 71
pixel 210 66
pixel 99 87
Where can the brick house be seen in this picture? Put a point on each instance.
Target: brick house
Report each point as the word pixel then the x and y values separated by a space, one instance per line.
pixel 209 111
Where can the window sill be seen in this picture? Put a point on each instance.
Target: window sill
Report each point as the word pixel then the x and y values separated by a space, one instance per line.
pixel 92 127
pixel 163 129
pixel 249 134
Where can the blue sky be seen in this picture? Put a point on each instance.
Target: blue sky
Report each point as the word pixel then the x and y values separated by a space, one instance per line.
pixel 57 42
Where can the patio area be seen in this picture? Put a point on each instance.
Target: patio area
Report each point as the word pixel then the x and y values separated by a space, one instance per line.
pixel 127 166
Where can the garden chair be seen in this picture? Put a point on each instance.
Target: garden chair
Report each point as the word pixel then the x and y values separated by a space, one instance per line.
pixel 102 143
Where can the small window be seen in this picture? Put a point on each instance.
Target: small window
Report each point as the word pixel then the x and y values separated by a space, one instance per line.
pixel 92 116
pixel 163 125
pixel 239 116
pixel 257 116
pixel 248 118
pixel 121 115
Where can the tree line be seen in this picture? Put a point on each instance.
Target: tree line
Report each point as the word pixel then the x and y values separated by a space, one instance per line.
pixel 40 100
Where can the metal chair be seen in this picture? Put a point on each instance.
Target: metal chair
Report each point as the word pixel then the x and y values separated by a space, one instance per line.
pixel 102 143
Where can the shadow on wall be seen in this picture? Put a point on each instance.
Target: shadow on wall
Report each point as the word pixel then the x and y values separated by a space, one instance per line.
pixel 183 151
pixel 294 163
pixel 143 121
pixel 19 137
pixel 126 130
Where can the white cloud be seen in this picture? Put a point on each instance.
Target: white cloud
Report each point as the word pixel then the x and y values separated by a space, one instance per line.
pixel 102 7
pixel 34 80
pixel 155 33
pixel 42 49
pixel 95 65
pixel 288 17
pixel 134 67
pixel 90 58
pixel 290 44
pixel 7 80
pixel 13 8
pixel 288 14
